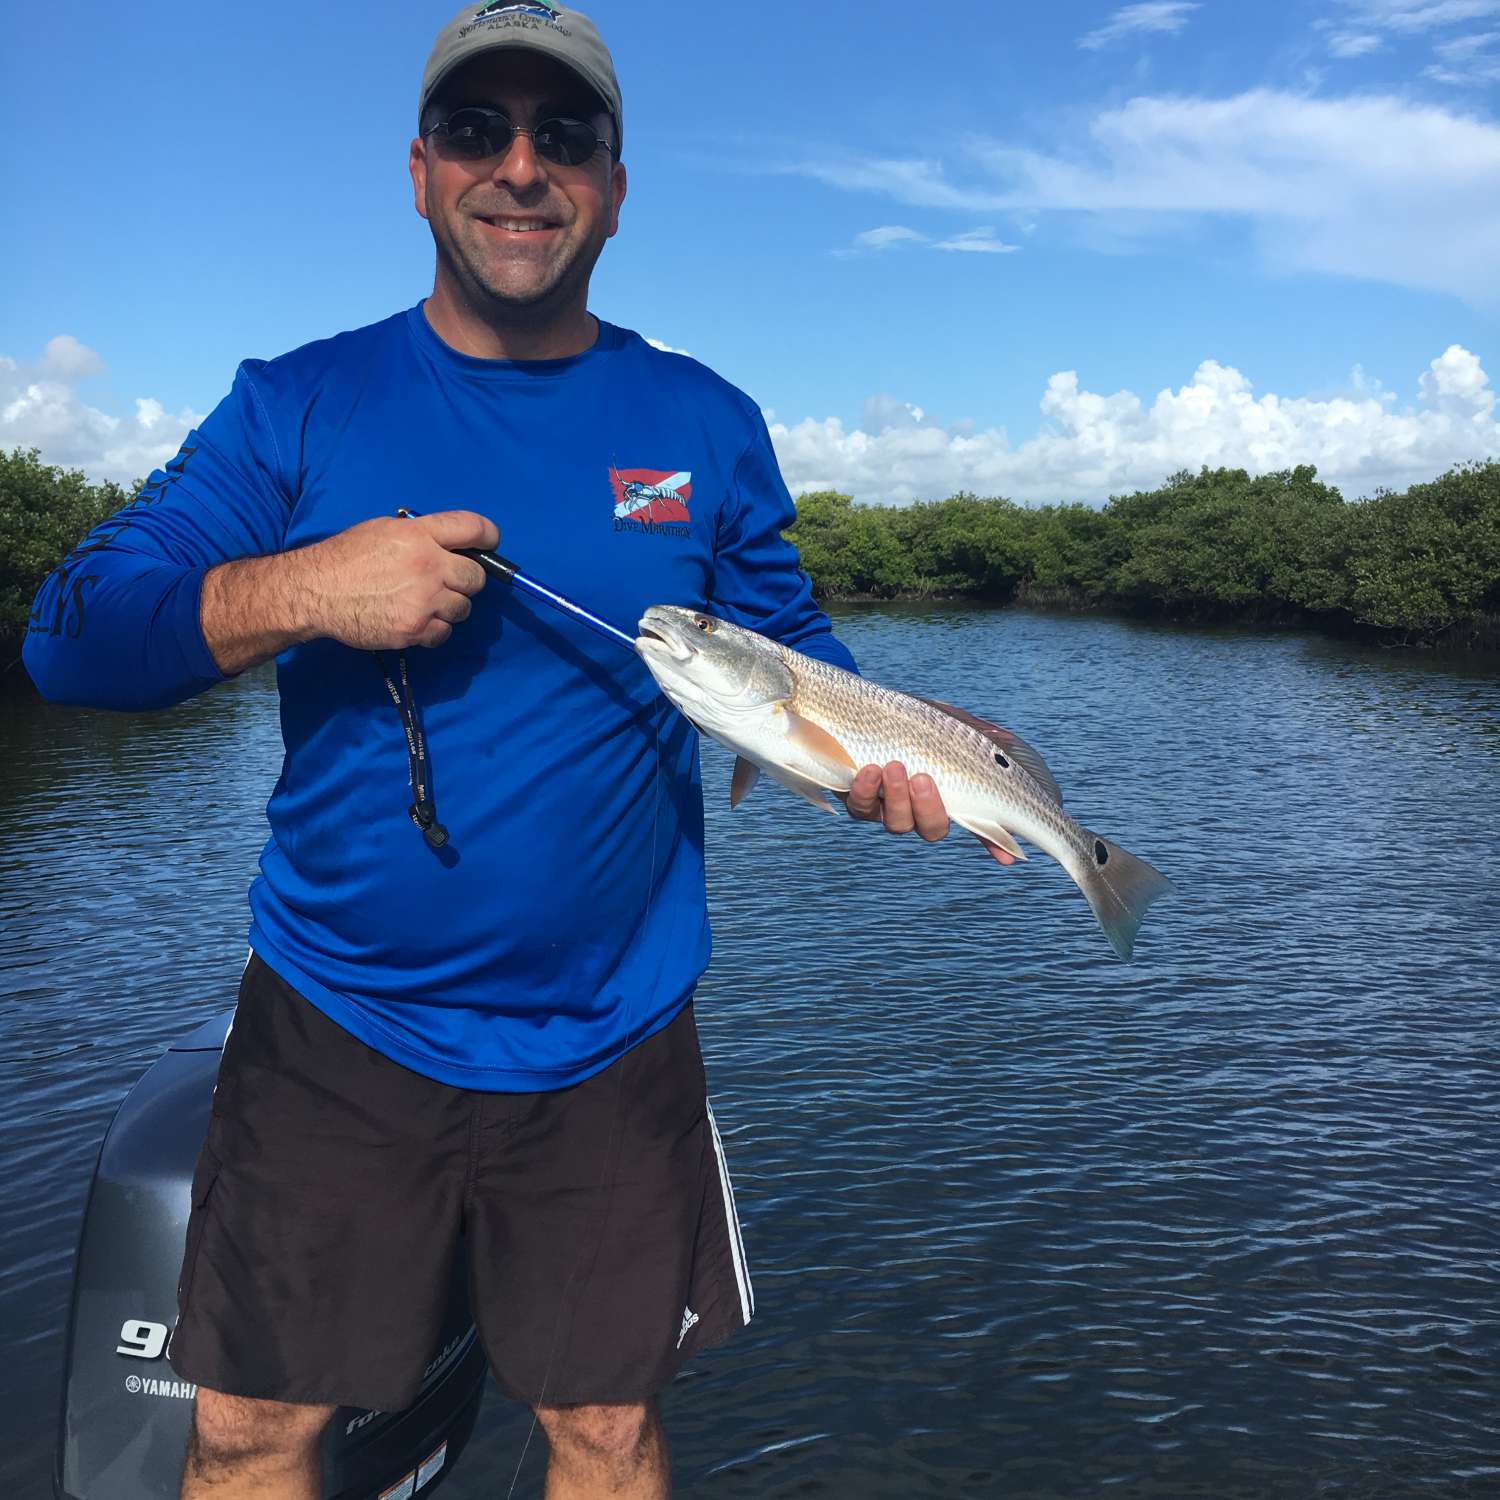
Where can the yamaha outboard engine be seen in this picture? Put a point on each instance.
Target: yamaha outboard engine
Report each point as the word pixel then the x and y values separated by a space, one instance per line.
pixel 126 1416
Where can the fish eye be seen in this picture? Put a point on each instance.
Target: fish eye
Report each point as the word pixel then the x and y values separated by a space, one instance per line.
pixel 705 623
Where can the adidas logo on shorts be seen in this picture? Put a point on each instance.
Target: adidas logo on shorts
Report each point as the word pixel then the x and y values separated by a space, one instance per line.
pixel 689 1317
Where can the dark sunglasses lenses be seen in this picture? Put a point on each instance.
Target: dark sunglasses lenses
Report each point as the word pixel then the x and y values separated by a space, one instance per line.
pixel 571 142
pixel 472 134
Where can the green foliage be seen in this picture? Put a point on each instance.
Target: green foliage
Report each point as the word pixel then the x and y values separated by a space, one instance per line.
pixel 1426 559
pixel 1216 544
pixel 44 513
pixel 1220 540
pixel 962 545
pixel 1075 547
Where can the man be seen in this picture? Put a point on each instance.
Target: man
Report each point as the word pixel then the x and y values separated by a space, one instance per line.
pixel 481 1024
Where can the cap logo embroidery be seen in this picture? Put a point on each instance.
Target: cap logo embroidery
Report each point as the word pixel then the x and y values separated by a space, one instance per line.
pixel 652 500
pixel 543 10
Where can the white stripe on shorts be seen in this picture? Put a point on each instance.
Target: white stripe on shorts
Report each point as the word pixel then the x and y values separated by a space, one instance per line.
pixel 732 1221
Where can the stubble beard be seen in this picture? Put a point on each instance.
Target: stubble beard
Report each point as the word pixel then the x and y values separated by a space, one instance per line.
pixel 528 289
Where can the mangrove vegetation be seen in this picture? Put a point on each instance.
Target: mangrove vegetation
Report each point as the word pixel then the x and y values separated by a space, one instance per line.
pixel 1417 566
pixel 1420 565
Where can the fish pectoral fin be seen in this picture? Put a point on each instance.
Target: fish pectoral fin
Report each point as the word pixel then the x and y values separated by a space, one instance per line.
pixel 1009 741
pixel 995 834
pixel 746 774
pixel 815 742
pixel 814 793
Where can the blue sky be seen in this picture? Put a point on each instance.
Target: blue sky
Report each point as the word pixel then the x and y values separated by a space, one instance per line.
pixel 1049 251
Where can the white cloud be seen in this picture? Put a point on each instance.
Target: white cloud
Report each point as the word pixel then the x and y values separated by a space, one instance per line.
pixel 1411 16
pixel 887 237
pixel 40 407
pixel 1134 20
pixel 1455 383
pixel 1471 61
pixel 65 358
pixel 1354 43
pixel 915 181
pixel 1092 445
pixel 982 239
pixel 1348 186
pixel 882 413
pixel 898 236
pixel 1463 60
pixel 666 348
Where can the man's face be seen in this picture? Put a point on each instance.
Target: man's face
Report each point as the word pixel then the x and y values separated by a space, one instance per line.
pixel 517 234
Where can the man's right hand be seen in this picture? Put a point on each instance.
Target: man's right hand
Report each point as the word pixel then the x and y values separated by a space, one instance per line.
pixel 383 585
pixel 394 582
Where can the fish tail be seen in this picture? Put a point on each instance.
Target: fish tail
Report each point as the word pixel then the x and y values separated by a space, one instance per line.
pixel 1119 887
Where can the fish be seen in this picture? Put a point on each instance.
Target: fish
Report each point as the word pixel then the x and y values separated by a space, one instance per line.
pixel 811 726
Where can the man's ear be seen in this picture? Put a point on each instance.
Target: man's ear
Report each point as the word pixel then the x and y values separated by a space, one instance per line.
pixel 417 163
pixel 617 196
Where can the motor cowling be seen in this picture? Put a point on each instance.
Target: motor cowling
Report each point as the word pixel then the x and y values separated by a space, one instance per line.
pixel 125 1414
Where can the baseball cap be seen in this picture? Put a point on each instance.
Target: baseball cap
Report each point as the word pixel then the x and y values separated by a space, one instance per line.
pixel 531 26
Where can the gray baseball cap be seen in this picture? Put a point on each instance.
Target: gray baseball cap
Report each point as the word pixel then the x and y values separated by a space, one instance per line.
pixel 530 26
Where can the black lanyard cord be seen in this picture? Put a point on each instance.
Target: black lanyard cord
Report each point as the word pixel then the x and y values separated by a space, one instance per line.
pixel 421 811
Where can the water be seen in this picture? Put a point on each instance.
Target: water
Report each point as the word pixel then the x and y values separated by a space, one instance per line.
pixel 1024 1221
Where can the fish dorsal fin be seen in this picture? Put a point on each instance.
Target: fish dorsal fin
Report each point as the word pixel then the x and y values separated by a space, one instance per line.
pixel 1014 746
pixel 816 742
pixel 746 774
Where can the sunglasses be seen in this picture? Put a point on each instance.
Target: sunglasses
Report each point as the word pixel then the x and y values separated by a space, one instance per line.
pixel 475 132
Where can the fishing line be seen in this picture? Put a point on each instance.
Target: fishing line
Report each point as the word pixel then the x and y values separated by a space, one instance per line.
pixel 419 771
pixel 614 1121
pixel 507 572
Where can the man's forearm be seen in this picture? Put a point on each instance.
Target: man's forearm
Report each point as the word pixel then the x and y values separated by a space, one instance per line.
pixel 382 585
pixel 254 609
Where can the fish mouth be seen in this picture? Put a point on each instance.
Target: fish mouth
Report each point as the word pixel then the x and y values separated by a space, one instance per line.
pixel 655 639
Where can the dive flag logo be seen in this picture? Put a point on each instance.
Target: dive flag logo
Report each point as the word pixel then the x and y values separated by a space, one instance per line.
pixel 654 496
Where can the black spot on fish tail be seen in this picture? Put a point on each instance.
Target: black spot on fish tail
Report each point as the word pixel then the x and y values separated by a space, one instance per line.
pixel 1119 887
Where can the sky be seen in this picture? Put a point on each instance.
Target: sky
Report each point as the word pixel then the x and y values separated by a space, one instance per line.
pixel 1052 252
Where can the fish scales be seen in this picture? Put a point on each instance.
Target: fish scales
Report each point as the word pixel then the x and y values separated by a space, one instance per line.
pixel 877 725
pixel 812 725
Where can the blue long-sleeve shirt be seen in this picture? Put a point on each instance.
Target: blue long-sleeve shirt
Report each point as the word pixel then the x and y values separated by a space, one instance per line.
pixel 565 920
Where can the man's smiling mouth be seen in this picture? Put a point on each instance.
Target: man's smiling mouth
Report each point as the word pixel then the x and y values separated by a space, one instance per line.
pixel 517 225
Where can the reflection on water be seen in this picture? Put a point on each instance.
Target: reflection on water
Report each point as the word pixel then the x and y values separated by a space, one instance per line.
pixel 1025 1221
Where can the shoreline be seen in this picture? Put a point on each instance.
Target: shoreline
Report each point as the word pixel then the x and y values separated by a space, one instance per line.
pixel 1475 637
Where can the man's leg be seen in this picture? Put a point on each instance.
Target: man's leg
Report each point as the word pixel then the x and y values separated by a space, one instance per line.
pixel 242 1449
pixel 606 1450
pixel 331 1182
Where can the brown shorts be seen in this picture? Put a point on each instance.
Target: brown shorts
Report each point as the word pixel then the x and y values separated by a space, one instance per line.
pixel 336 1187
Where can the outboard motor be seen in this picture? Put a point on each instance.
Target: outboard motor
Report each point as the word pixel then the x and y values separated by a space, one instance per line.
pixel 126 1416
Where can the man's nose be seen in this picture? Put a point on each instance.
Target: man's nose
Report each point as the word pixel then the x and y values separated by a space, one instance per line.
pixel 520 167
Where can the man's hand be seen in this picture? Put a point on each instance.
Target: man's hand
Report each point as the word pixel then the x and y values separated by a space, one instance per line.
pixel 904 805
pixel 382 585
pixel 395 582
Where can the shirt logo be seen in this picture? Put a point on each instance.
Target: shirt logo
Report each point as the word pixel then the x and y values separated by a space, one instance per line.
pixel 652 500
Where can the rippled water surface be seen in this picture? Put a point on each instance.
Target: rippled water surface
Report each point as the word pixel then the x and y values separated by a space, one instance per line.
pixel 1024 1221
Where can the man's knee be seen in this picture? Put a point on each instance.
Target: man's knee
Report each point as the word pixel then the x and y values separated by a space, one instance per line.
pixel 231 1431
pixel 604 1433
